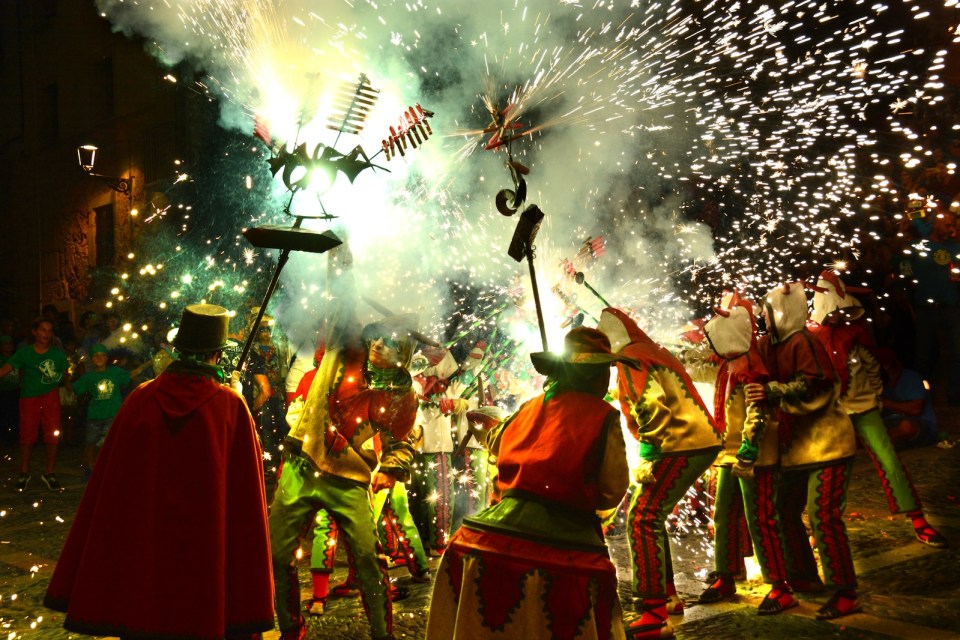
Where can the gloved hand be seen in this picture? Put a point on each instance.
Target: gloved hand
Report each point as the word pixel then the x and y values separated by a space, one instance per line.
pixel 743 469
pixel 453 405
pixel 643 473
pixel 235 383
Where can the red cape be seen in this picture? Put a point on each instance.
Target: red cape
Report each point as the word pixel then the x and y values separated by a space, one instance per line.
pixel 170 539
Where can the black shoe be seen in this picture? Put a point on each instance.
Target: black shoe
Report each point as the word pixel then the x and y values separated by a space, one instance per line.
pixel 50 480
pixel 22 481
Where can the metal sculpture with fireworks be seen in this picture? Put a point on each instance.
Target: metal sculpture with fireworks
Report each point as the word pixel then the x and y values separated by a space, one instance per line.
pixel 297 168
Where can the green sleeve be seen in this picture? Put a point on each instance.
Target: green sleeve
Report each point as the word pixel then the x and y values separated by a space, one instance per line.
pixel 82 385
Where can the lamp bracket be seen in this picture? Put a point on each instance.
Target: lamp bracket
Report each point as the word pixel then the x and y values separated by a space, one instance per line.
pixel 121 185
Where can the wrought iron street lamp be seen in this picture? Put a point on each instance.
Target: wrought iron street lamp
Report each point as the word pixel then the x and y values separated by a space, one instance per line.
pixel 87 156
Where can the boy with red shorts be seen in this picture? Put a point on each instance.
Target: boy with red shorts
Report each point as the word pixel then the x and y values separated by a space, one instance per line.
pixel 43 367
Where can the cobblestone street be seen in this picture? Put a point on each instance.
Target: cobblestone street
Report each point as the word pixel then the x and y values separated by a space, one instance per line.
pixel 908 590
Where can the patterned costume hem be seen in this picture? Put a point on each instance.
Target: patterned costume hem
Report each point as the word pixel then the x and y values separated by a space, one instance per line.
pixel 111 629
pixel 505 585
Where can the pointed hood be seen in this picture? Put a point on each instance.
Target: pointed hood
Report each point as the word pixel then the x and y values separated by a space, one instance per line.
pixel 831 297
pixel 786 309
pixel 623 331
pixel 620 329
pixel 731 332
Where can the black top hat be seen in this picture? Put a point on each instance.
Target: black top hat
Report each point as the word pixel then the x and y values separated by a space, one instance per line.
pixel 203 328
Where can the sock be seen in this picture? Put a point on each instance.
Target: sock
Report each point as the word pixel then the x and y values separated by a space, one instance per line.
pixel 321 583
pixel 671 589
pixel 918 519
pixel 782 586
pixel 723 580
pixel 781 592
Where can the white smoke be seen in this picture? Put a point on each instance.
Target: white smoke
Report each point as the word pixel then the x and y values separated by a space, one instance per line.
pixel 432 218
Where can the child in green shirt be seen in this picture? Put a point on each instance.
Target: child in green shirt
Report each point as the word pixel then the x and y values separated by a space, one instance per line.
pixel 104 383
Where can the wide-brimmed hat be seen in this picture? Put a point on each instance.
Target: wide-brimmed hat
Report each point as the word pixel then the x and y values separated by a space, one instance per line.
pixel 582 347
pixel 203 328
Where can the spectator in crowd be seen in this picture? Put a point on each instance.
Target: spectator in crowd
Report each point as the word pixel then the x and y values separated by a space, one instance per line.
pixel 9 394
pixel 907 408
pixel 268 401
pixel 92 331
pixel 104 383
pixel 935 270
pixel 57 321
pixel 113 333
pixel 43 368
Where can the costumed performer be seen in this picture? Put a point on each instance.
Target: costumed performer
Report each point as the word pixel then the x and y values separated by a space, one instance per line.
pixel 535 565
pixel 170 539
pixel 817 445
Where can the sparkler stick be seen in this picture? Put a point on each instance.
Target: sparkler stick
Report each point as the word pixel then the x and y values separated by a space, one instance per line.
pixel 462 446
pixel 387 313
pixel 581 279
pixel 287 240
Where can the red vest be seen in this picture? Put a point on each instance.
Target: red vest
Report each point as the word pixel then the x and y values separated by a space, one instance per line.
pixel 553 449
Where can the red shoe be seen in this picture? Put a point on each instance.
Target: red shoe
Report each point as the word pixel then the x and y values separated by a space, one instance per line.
pixel 841 603
pixel 778 600
pixel 674 605
pixel 652 624
pixel 931 537
pixel 344 590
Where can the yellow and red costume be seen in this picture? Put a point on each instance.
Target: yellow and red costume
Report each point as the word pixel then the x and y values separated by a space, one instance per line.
pixel 817 445
pixel 328 465
pixel 678 443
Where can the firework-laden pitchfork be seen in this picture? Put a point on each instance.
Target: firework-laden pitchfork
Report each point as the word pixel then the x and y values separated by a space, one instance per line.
pixel 521 246
pixel 411 131
pixel 353 102
pixel 287 240
pixel 505 129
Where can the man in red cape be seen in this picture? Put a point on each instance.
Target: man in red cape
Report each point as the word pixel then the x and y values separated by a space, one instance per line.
pixel 170 540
